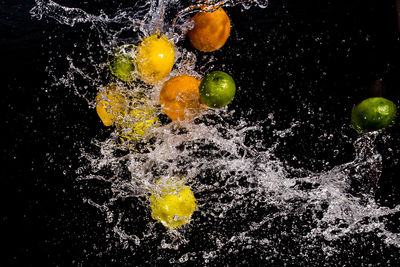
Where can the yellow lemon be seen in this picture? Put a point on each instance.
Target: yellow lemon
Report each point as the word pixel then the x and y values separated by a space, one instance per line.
pixel 173 204
pixel 155 58
pixel 109 104
pixel 134 126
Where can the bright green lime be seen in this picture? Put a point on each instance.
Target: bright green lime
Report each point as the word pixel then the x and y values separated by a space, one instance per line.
pixel 217 89
pixel 122 62
pixel 373 114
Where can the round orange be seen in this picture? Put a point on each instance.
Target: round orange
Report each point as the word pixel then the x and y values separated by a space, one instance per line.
pixel 180 98
pixel 211 30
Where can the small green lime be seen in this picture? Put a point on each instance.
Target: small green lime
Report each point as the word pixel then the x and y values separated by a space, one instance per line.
pixel 373 114
pixel 122 62
pixel 217 89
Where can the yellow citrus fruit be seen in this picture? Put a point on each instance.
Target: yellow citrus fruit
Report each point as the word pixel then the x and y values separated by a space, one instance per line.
pixel 211 30
pixel 155 58
pixel 180 98
pixel 109 104
pixel 134 125
pixel 173 203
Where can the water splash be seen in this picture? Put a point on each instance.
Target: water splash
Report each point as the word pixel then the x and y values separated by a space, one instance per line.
pixel 211 6
pixel 248 198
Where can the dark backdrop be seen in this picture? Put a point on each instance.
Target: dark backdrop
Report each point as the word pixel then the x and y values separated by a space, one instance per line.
pixel 330 53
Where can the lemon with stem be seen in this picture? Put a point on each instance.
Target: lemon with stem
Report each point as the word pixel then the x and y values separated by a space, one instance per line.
pixel 155 58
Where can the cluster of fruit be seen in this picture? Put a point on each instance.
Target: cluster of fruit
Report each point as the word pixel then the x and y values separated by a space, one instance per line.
pixel 182 98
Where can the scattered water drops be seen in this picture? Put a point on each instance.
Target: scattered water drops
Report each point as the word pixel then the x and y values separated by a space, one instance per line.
pixel 247 196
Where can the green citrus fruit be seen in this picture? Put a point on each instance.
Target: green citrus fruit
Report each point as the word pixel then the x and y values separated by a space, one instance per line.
pixel 173 203
pixel 217 89
pixel 122 62
pixel 373 114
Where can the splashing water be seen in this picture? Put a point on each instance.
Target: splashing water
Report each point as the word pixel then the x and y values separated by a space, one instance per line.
pixel 248 198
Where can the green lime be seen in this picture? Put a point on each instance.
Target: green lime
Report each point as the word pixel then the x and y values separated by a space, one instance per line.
pixel 373 114
pixel 122 62
pixel 217 89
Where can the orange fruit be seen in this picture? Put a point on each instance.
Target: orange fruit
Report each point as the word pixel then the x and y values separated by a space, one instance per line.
pixel 211 30
pixel 180 98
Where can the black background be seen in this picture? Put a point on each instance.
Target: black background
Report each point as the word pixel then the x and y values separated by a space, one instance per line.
pixel 324 53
